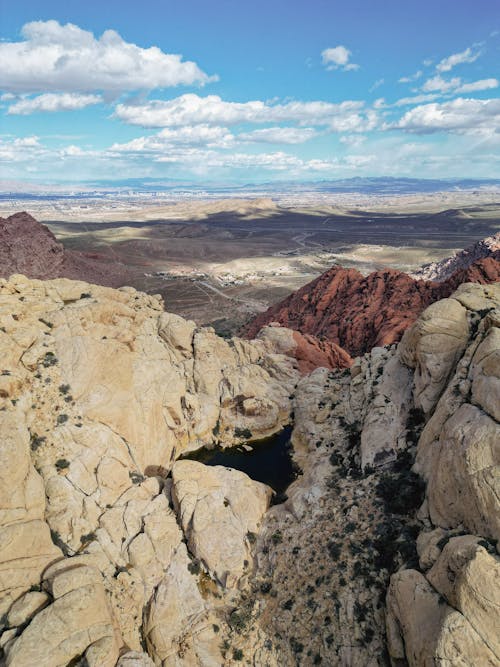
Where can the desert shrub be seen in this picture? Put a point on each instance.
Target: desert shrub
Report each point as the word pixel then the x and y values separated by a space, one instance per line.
pixel 136 477
pixel 239 619
pixel 49 359
pixel 36 441
pixel 277 537
pixel 402 493
pixel 334 549
pixel 194 567
pixel 245 433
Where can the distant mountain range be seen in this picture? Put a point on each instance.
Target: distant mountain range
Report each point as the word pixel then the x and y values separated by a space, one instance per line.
pixel 376 185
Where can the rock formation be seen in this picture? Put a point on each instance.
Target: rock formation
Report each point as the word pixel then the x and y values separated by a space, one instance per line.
pixel 461 260
pixel 100 392
pixel 356 312
pixel 30 248
pixel 114 550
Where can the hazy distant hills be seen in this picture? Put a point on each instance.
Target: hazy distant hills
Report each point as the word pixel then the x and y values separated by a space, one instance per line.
pixel 361 185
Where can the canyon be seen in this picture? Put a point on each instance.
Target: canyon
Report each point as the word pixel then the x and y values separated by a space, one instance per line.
pixel 116 549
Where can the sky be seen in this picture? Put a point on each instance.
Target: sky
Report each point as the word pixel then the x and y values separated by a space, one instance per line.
pixel 236 92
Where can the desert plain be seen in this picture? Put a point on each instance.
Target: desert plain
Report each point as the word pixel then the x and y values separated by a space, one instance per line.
pixel 220 261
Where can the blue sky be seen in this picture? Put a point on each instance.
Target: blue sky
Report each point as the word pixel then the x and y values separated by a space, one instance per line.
pixel 234 91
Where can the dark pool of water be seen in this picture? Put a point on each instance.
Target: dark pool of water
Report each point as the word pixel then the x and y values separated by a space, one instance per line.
pixel 269 461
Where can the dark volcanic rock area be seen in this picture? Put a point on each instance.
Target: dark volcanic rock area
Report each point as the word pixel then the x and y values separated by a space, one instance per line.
pixel 360 312
pixel 30 248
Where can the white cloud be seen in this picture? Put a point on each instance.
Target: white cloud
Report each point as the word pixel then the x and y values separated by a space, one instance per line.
pixel 279 135
pixel 467 56
pixel 210 137
pixel 190 109
pixel 65 58
pixel 416 99
pixel 462 115
pixel 412 77
pixel 455 85
pixel 190 136
pixel 338 57
pixel 482 84
pixel 438 84
pixel 377 84
pixel 53 102
pixel 20 149
pixel 353 140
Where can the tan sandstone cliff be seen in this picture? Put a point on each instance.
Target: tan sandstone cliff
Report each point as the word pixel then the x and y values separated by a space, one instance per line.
pixel 114 552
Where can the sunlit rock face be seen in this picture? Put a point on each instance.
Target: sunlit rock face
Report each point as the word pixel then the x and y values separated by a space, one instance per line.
pixel 343 314
pixel 101 391
pixel 114 551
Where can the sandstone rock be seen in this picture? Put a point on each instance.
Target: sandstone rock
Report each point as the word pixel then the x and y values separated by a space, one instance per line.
pixel 27 246
pixel 469 578
pixel 428 547
pixel 424 630
pixel 359 312
pixel 77 623
pixel 217 508
pixel 463 486
pixel 432 347
pixel 135 659
pixel 309 351
pixel 178 627
pixel 460 261
pixel 385 424
pixel 25 607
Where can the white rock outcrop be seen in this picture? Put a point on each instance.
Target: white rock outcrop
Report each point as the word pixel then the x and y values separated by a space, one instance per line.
pixel 220 510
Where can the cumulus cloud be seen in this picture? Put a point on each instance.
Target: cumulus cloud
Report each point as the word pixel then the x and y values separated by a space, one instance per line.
pixel 338 57
pixel 211 137
pixel 279 135
pixel 197 135
pixel 64 58
pixel 191 109
pixel 460 116
pixel 467 56
pixel 53 102
pixel 20 149
pixel 455 85
pixel 353 140
pixel 438 84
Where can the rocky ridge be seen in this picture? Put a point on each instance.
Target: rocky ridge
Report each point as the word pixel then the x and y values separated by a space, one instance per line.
pixel 461 260
pixel 115 552
pixel 356 313
pixel 30 248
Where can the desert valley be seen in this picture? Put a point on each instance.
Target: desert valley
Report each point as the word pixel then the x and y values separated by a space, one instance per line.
pixel 319 490
pixel 249 333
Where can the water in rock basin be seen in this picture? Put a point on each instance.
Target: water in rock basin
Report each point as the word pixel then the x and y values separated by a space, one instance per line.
pixel 268 461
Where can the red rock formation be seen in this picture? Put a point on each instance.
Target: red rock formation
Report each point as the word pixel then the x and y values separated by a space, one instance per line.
pixel 30 248
pixel 311 353
pixel 359 312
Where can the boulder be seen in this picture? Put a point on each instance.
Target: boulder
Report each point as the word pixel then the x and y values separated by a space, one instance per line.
pixel 218 508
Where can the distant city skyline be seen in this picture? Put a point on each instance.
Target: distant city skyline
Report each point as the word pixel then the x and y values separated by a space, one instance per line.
pixel 236 92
